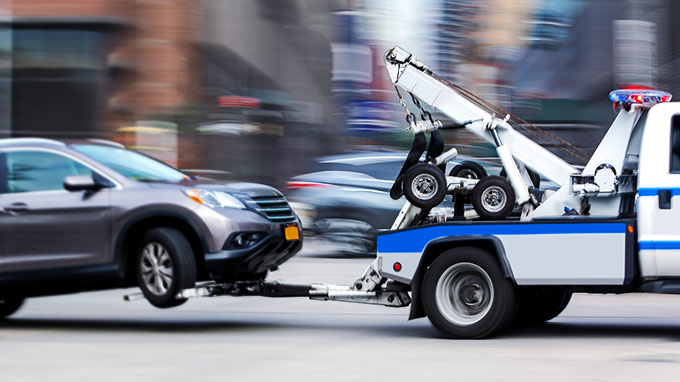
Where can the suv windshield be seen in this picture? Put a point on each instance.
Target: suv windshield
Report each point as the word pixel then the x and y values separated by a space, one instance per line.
pixel 131 164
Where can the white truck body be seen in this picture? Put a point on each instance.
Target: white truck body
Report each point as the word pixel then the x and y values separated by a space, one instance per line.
pixel 581 250
pixel 624 236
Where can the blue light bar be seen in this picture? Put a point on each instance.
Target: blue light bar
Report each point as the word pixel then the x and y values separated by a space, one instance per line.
pixel 639 96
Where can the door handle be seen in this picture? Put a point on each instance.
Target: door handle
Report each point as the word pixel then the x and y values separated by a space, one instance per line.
pixel 664 199
pixel 16 208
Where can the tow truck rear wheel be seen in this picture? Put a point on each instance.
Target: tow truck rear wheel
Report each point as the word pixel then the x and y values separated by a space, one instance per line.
pixel 425 185
pixel 493 198
pixel 540 304
pixel 465 294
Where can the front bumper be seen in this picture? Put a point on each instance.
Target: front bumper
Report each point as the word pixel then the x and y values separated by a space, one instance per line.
pixel 266 254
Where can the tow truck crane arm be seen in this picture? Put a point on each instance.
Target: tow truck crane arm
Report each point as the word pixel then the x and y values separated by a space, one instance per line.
pixel 411 75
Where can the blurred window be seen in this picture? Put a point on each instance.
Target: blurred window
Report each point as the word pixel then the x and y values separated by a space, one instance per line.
pixel 56 48
pixel 132 164
pixel 675 144
pixel 59 80
pixel 30 171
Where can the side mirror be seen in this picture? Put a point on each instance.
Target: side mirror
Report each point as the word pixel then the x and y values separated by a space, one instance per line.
pixel 80 183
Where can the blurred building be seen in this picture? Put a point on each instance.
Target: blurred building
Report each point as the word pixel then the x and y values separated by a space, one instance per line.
pixel 85 68
pixel 578 51
pixel 277 54
pixel 456 36
pixel 659 35
pixel 241 87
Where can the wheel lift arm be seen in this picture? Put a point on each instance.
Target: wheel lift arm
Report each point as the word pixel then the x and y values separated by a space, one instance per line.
pixel 369 289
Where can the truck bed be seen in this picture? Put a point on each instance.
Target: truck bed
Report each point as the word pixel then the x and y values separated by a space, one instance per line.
pixel 557 251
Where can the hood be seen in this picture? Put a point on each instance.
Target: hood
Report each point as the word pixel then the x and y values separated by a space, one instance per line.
pixel 252 190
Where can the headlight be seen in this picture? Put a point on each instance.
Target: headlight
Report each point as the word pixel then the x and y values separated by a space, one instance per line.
pixel 214 199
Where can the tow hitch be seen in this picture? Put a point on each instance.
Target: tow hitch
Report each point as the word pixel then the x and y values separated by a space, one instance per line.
pixel 369 289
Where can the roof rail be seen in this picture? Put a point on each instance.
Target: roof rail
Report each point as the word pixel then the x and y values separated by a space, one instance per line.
pixel 106 142
pixel 41 141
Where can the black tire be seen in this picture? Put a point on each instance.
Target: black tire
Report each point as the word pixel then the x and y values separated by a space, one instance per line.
pixel 9 306
pixel 468 169
pixel 483 305
pixel 425 185
pixel 493 198
pixel 541 304
pixel 535 178
pixel 178 257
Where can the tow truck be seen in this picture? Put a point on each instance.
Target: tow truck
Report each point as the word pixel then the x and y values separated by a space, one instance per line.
pixel 611 227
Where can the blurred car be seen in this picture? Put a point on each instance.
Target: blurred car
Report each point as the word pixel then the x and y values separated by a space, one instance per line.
pixel 345 200
pixel 85 215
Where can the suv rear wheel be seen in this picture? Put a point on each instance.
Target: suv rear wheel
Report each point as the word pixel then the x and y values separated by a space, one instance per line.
pixel 9 305
pixel 165 265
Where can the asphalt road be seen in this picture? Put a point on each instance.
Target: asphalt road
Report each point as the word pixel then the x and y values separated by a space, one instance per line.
pixel 99 337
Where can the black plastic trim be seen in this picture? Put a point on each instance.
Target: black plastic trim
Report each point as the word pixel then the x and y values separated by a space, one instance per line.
pixel 498 246
pixel 631 258
pixel 269 252
pixel 119 250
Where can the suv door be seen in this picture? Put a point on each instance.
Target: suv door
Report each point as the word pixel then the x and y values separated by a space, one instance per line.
pixel 658 205
pixel 44 225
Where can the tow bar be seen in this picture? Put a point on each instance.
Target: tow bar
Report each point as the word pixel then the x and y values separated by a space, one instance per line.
pixel 369 289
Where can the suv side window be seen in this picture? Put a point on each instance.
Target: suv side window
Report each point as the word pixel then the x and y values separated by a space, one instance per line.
pixel 34 170
pixel 3 174
pixel 675 144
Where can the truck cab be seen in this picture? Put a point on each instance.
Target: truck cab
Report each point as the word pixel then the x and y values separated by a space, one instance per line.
pixel 658 205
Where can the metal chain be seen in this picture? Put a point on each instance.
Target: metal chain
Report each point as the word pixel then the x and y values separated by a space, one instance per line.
pixel 409 116
pixel 423 113
pixel 575 152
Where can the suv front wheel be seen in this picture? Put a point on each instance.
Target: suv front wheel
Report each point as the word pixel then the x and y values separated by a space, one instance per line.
pixel 165 265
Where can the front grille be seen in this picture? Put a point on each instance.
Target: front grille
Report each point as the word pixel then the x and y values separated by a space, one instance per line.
pixel 275 208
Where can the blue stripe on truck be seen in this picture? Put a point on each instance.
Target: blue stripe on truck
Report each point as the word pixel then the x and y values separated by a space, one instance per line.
pixel 647 191
pixel 659 245
pixel 415 240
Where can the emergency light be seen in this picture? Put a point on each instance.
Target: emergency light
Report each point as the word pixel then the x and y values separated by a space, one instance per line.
pixel 639 96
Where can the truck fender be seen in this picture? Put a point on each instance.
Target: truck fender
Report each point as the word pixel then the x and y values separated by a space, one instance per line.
pixel 434 248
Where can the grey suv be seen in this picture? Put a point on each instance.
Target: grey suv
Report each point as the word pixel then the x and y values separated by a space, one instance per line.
pixel 87 215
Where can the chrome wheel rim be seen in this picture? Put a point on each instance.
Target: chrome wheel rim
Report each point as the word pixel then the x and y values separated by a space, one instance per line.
pixel 424 186
pixel 494 199
pixel 156 267
pixel 464 294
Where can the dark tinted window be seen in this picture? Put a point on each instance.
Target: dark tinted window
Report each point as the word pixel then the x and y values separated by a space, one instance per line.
pixel 29 171
pixel 675 144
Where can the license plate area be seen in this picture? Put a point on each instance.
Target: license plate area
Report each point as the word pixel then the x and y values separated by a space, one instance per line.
pixel 291 232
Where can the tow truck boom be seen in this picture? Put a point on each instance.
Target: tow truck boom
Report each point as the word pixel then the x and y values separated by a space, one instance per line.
pixel 414 77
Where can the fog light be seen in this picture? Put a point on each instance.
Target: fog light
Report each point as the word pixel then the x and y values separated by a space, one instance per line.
pixel 242 240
